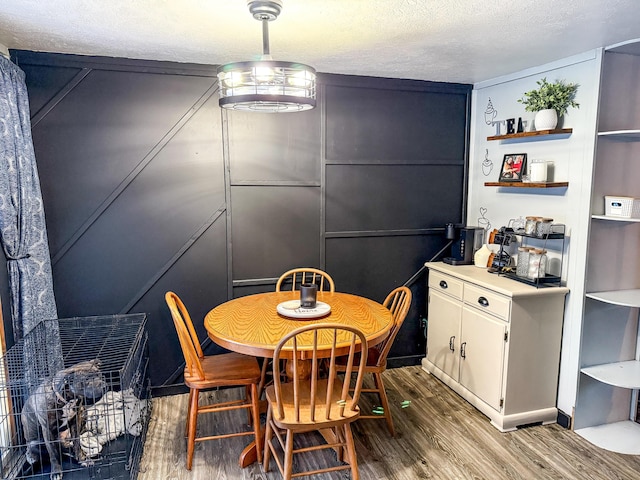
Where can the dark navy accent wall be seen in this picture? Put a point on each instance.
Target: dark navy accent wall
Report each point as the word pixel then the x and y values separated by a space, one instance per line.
pixel 395 173
pixel 149 186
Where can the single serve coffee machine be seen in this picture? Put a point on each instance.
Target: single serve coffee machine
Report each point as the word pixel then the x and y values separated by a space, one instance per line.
pixel 466 242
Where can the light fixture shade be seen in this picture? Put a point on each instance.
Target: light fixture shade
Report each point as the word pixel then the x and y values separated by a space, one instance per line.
pixel 267 86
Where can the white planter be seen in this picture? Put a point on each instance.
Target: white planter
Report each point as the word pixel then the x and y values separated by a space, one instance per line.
pixel 546 119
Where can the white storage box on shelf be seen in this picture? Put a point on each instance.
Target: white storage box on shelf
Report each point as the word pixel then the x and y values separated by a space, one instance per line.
pixel 627 207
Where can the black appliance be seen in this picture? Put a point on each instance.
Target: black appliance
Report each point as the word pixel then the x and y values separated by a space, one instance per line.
pixel 467 241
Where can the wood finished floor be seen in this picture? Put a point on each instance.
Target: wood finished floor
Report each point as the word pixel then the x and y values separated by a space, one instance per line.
pixel 439 436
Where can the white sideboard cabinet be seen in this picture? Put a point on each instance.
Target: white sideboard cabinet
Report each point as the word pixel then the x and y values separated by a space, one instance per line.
pixel 496 342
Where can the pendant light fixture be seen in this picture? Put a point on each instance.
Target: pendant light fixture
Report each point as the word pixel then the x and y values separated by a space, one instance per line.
pixel 267 85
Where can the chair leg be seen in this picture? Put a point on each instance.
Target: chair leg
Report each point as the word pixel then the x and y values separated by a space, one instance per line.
pixel 186 423
pixel 193 421
pixel 248 399
pixel 263 376
pixel 267 441
pixel 339 433
pixel 377 377
pixel 255 410
pixel 288 456
pixel 351 452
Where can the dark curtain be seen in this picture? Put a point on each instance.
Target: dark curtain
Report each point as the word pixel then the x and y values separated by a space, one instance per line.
pixel 22 221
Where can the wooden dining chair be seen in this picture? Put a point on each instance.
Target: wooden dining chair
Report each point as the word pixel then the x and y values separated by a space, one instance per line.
pixel 324 404
pixel 207 372
pixel 297 276
pixel 294 278
pixel 398 302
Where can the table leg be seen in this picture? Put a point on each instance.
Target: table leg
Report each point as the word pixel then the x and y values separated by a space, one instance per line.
pixel 249 455
pixel 304 369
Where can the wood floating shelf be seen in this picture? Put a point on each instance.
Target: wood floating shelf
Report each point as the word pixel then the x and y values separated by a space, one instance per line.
pixel 527 184
pixel 537 133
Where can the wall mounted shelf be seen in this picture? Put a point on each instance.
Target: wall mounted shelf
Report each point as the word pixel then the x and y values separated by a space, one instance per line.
pixel 527 184
pixel 537 133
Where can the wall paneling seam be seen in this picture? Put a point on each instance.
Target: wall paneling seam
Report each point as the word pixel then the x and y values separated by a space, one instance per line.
pixel 323 177
pixel 227 198
pixel 171 262
pixel 275 183
pixel 252 282
pixel 58 97
pixel 384 233
pixel 148 158
pixel 465 188
pixel 411 163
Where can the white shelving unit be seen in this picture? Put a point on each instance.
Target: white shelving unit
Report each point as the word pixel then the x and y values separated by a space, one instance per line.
pixel 609 381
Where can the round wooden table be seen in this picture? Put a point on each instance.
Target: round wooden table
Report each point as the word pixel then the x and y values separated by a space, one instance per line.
pixel 252 325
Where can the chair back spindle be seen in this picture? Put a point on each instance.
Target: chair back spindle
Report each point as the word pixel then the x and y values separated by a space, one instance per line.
pixel 299 276
pixel 398 303
pixel 189 342
pixel 320 399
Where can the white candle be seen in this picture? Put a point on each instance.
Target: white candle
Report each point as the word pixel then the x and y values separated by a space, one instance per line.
pixel 538 172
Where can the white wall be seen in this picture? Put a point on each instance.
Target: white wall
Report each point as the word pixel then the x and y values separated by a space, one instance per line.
pixel 572 158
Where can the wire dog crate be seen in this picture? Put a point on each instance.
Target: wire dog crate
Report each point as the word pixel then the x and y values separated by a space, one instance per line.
pixel 83 416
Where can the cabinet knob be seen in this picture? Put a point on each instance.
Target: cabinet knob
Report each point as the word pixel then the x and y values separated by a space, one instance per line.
pixel 483 301
pixel 463 348
pixel 443 284
pixel 451 342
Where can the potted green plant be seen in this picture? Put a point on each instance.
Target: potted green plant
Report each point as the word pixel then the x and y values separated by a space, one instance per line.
pixel 550 101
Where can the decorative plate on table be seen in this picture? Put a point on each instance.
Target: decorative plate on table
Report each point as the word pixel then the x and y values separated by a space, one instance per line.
pixel 292 309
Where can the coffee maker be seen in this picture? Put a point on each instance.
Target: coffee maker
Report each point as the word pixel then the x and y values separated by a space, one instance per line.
pixel 466 242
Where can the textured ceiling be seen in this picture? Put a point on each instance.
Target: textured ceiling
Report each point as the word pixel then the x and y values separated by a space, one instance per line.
pixel 444 40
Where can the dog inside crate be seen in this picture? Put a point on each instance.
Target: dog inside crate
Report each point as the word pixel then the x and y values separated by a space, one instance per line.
pixel 55 414
pixel 70 424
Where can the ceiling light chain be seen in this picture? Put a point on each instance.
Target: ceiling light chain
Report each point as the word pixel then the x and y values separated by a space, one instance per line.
pixel 265 38
pixel 267 85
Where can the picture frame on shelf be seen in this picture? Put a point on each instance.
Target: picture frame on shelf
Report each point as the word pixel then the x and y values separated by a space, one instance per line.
pixel 514 166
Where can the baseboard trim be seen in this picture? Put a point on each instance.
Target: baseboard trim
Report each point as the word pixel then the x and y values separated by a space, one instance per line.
pixel 564 419
pixel 407 361
pixel 167 390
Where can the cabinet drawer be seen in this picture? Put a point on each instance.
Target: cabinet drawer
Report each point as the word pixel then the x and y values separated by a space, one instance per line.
pixel 487 301
pixel 445 284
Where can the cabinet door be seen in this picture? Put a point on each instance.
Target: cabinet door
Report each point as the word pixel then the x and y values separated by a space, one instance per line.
pixel 443 335
pixel 482 355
